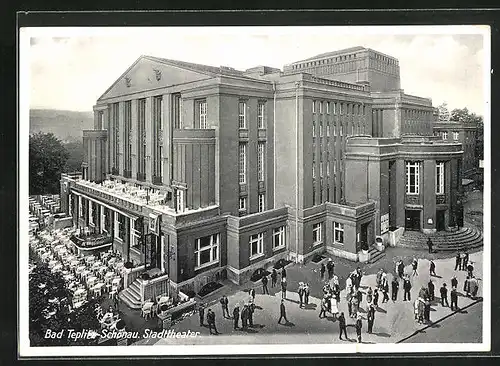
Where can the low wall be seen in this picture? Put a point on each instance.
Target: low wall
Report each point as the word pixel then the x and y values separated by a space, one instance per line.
pixel 243 275
pixel 342 254
pixel 130 275
pixel 155 287
pixel 395 236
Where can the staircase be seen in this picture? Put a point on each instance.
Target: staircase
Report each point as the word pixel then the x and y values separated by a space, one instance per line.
pixel 132 295
pixel 375 255
pixel 466 238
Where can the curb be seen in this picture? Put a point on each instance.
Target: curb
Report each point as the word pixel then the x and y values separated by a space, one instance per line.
pixel 439 321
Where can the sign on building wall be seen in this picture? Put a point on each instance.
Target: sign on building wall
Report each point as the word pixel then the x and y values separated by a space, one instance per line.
pixel 384 223
pixel 154 224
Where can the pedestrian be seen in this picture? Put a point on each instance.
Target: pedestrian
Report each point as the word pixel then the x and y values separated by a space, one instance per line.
pixel 283 272
pixel 375 297
pixel 348 284
pixel 371 318
pixel 282 313
pixel 415 266
pixel 432 268
pixel 407 288
pixel 349 305
pixel 251 309
pixel 264 285
pixel 201 312
pixel 401 269
pixel 211 321
pixel 429 244
pixel 395 288
pixel 236 316
pixel 359 296
pixel 421 309
pixel 369 296
pixel 359 275
pixel 322 271
pixel 342 326
pixel 359 325
pixel 301 293
pixel 470 269
pixel 454 299
pixel 283 287
pixel 306 294
pixel 379 278
pixel 430 287
pixel 225 310
pixel 458 261
pixel 355 306
pixel 244 317
pixel 427 310
pixel 323 308
pixel 467 286
pixel 329 268
pixel 454 282
pixel 444 295
pixel 274 277
pixel 385 291
pixel 252 293
pixel 465 261
pixel 473 287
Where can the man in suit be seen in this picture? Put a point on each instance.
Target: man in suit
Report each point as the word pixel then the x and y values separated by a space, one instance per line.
pixel 429 244
pixel 244 317
pixel 236 316
pixel 201 312
pixel 454 282
pixel 301 293
pixel 432 268
pixel 211 321
pixel 454 299
pixel 251 309
pixel 252 293
pixel 430 287
pixel 359 326
pixel 274 277
pixel 224 303
pixel 407 288
pixel 283 288
pixel 444 295
pixel 371 318
pixel 458 261
pixel 342 326
pixel 395 287
pixel 264 285
pixel 282 312
pixel 306 293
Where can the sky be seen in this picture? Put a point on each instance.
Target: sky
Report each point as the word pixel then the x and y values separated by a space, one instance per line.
pixel 69 69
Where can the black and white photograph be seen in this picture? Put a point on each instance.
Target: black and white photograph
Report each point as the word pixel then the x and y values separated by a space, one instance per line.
pixel 254 190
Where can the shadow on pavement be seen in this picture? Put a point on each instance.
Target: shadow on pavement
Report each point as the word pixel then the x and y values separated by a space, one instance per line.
pixel 386 335
pixel 310 307
pixel 379 309
pixel 289 324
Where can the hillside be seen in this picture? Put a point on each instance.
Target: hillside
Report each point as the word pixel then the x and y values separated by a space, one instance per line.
pixel 66 125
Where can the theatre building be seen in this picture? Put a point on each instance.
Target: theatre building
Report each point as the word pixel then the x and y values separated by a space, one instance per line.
pixel 198 173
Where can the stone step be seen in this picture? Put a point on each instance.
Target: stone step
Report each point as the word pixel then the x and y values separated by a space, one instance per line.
pixel 464 239
pixel 375 255
pixel 131 303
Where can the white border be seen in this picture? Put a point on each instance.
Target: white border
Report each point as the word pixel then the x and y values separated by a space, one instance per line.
pixel 24 102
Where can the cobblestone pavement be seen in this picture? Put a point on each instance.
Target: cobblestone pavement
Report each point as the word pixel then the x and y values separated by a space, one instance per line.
pixel 393 321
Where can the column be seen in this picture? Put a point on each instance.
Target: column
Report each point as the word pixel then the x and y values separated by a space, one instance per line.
pixel 102 219
pixel 134 135
pixel 167 128
pixel 429 196
pixel 105 126
pixel 149 140
pixel 121 137
pixel 400 178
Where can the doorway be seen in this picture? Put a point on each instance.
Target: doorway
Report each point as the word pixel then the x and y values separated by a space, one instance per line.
pixel 412 220
pixel 363 236
pixel 153 251
pixel 440 220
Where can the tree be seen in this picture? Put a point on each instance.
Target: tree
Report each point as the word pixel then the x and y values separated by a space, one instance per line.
pixel 47 160
pixel 444 114
pixel 464 116
pixel 75 156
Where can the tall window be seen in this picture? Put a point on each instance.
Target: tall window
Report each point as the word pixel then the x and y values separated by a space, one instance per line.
pixel 317 237
pixel 243 162
pixel 141 138
pixel 180 200
pixel 202 112
pixel 455 136
pixel 278 237
pixel 327 129
pixel 321 129
pixel 260 160
pixel 242 114
pixel 260 115
pixel 128 136
pixel 100 119
pixel 256 245
pixel 157 136
pixel 327 107
pixel 243 203
pixel 320 107
pixel 262 202
pixel 338 233
pixel 314 129
pixel 440 178
pixel 116 137
pixel 177 111
pixel 207 250
pixel 444 135
pixel 412 177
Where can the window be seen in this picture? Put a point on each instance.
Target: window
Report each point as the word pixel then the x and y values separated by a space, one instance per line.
pixel 327 129
pixel 444 135
pixel 317 238
pixel 321 129
pixel 243 203
pixel 334 108
pixel 321 169
pixel 180 200
pixel 412 177
pixel 338 233
pixel 314 171
pixel 314 129
pixel 207 250
pixel 202 108
pixel 260 160
pixel 243 163
pixel 177 111
pixel 262 202
pixel 100 120
pixel 341 132
pixel 327 107
pixel 455 136
pixel 242 115
pixel 328 169
pixel 91 214
pixel 440 178
pixel 320 107
pixel 278 237
pixel 334 130
pixel 314 106
pixel 256 245
pixel 80 206
pixel 260 115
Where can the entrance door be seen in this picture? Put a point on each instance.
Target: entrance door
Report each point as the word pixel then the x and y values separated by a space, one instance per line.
pixel 412 221
pixel 440 221
pixel 155 252
pixel 364 236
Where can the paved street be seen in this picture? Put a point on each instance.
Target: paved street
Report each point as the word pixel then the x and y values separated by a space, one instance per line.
pixel 466 327
pixel 393 320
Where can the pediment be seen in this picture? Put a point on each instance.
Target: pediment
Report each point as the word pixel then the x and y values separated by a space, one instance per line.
pixel 149 73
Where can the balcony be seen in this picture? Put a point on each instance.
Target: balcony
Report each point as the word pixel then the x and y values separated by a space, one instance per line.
pixel 141 176
pixel 91 241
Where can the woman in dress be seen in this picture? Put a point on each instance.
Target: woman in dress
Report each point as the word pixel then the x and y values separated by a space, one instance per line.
pixel 334 308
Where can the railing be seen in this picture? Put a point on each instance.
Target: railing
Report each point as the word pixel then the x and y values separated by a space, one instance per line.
pixel 91 241
pixel 131 275
pixel 336 83
pixel 155 287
